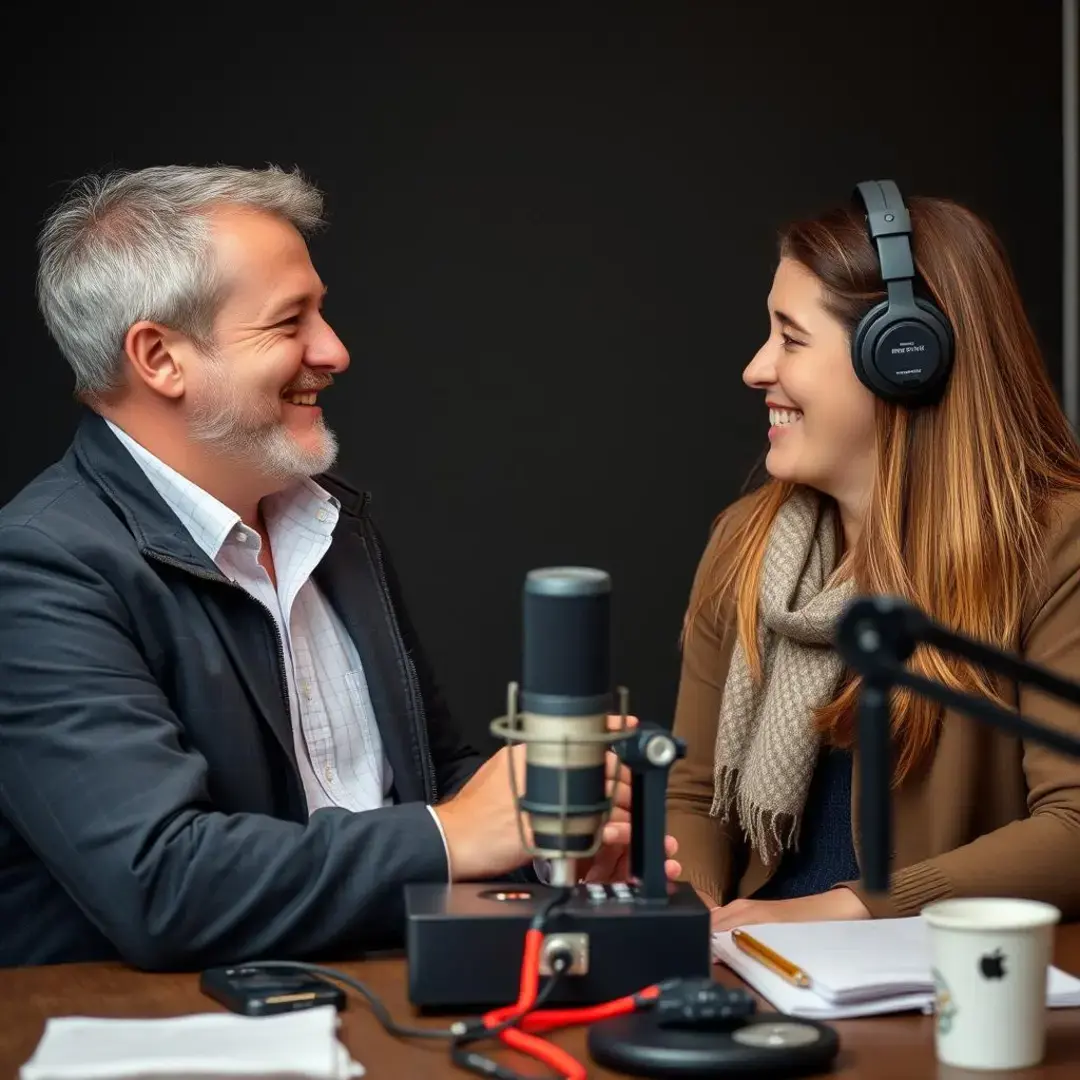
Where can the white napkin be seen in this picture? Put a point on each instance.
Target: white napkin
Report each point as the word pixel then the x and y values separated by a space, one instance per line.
pixel 301 1045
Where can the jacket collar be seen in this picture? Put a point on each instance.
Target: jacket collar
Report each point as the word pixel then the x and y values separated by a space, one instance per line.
pixel 157 530
pixel 350 574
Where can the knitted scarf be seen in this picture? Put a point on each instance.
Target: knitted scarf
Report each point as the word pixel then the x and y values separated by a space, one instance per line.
pixel 766 744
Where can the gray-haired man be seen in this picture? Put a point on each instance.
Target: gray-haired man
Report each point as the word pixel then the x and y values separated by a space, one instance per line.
pixel 219 736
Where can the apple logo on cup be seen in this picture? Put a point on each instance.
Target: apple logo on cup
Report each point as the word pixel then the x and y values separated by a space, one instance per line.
pixel 992 965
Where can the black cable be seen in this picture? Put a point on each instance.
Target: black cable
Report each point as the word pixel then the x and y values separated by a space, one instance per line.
pixel 461 1031
pixel 561 897
pixel 559 965
pixel 484 1066
pixel 382 1014
pixel 475 1034
pixel 478 1063
pixel 473 1062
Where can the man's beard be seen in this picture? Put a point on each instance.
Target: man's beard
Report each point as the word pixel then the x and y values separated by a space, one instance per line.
pixel 251 432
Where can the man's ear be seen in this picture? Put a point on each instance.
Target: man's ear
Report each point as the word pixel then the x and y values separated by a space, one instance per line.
pixel 156 355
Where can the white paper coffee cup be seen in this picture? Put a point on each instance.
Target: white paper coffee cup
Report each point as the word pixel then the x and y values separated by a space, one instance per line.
pixel 990 960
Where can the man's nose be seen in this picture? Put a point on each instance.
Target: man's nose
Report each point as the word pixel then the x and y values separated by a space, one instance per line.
pixel 326 351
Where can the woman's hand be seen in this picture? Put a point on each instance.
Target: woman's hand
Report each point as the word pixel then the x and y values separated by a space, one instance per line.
pixel 612 861
pixel 836 904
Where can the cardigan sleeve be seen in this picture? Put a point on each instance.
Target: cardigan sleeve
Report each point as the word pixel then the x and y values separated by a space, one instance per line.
pixel 709 848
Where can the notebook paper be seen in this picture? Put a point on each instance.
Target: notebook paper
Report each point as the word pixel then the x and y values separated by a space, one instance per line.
pixel 862 968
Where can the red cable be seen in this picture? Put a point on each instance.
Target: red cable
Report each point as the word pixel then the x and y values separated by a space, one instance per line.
pixel 529 985
pixel 530 970
pixel 562 1061
pixel 547 1019
pixel 518 1038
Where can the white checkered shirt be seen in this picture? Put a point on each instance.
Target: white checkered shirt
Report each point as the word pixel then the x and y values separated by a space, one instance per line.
pixel 338 746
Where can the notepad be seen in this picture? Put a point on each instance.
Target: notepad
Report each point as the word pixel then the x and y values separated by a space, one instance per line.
pixel 862 968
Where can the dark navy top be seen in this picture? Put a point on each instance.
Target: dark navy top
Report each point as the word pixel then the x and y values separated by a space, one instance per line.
pixel 826 854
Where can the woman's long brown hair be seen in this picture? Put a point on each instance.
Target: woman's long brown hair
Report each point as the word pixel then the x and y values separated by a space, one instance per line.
pixel 954 522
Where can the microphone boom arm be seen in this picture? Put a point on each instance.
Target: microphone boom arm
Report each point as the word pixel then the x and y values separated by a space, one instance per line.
pixel 875 637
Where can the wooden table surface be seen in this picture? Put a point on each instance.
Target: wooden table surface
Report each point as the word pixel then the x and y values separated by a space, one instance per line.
pixel 886 1048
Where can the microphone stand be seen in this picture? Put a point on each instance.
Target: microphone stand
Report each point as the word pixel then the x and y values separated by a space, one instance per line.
pixel 876 636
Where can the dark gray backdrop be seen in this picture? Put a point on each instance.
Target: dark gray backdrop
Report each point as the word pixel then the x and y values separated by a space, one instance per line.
pixel 551 243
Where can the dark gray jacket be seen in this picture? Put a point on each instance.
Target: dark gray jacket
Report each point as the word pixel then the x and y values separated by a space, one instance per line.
pixel 150 804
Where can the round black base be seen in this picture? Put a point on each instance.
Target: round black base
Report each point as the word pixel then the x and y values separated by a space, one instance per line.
pixel 770 1044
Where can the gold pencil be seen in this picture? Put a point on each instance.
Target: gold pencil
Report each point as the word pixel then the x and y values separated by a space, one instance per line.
pixel 773 961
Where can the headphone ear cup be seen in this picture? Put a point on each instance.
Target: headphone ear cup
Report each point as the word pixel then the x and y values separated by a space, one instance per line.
pixel 936 317
pixel 864 344
pixel 862 350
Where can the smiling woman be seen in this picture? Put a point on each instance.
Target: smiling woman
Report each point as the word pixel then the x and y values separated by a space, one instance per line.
pixel 821 416
pixel 967 504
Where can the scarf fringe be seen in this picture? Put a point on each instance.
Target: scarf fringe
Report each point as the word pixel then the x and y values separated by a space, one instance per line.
pixel 768 832
pixel 725 782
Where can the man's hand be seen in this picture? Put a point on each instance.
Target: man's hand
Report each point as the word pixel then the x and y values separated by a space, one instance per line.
pixel 836 904
pixel 481 826
pixel 481 823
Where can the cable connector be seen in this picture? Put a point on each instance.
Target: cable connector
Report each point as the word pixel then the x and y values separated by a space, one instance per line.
pixel 468 1030
pixel 648 997
pixel 559 956
pixel 484 1066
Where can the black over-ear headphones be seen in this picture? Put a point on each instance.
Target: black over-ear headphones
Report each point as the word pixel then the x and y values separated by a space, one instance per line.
pixel 902 348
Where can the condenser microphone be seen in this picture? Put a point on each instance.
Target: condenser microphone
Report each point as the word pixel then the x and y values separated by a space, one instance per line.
pixel 465 939
pixel 565 698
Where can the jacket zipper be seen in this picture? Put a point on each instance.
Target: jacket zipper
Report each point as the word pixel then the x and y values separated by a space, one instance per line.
pixel 414 680
pixel 283 681
pixel 283 684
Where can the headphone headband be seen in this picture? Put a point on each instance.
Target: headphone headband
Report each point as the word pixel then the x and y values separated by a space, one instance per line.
pixel 889 224
pixel 902 348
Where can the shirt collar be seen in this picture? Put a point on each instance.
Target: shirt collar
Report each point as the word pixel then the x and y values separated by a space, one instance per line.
pixel 209 521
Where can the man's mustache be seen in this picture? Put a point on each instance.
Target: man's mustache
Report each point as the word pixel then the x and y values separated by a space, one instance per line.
pixel 309 382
